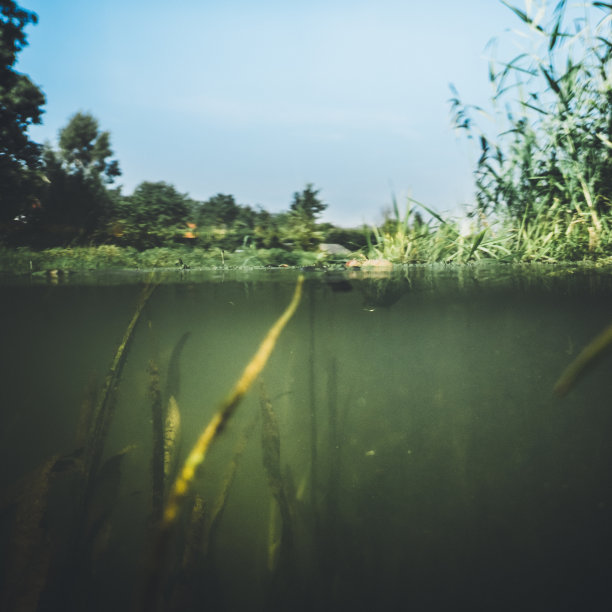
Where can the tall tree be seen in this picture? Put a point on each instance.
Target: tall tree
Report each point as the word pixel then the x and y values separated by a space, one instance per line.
pixel 84 149
pixel 75 201
pixel 20 107
pixel 307 203
pixel 301 229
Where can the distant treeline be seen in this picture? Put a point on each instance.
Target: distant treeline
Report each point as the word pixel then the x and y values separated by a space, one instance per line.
pixel 69 199
pixel 65 195
pixel 75 204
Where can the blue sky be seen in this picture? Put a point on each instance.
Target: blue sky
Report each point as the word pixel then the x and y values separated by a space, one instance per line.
pixel 258 98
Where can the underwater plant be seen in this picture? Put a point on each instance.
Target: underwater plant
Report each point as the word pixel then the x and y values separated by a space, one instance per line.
pixel 197 455
pixel 585 359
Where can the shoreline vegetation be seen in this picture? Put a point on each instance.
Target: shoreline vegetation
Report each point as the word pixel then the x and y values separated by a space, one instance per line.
pixel 543 179
pixel 558 240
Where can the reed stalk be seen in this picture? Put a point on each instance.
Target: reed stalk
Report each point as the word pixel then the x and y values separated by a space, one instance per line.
pixel 157 458
pixel 548 167
pixel 584 359
pixel 198 453
pixel 271 452
pixel 104 409
pixel 227 409
pixel 312 400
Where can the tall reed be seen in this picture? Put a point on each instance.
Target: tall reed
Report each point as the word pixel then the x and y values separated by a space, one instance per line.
pixel 196 456
pixel 408 238
pixel 550 161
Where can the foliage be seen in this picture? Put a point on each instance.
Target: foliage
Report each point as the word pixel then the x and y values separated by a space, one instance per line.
pixel 20 107
pixel 170 257
pixel 552 235
pixel 224 224
pixel 552 162
pixel 72 205
pixel 84 150
pixel 352 239
pixel 220 210
pixel 268 232
pixel 307 203
pixel 410 239
pixel 228 226
pixel 155 215
pixel 75 201
pixel 558 234
pixel 300 229
pixel 23 260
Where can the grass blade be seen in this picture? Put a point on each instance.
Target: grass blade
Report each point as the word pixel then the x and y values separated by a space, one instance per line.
pixel 477 240
pixel 524 17
pixel 433 213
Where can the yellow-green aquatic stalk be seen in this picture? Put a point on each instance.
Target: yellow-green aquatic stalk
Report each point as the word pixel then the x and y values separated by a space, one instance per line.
pixel 219 420
pixel 151 600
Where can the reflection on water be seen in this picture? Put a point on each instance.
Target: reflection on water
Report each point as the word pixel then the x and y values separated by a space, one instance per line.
pixel 403 449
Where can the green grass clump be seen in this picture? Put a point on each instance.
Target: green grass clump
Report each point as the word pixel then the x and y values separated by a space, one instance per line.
pixel 558 233
pixel 409 239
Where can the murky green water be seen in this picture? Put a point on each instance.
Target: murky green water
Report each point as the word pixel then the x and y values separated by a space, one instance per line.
pixel 425 462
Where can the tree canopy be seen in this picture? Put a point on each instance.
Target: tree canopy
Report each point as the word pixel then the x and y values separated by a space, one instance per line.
pixel 154 215
pixel 74 200
pixel 221 209
pixel 85 149
pixel 20 107
pixel 301 223
pixel 307 203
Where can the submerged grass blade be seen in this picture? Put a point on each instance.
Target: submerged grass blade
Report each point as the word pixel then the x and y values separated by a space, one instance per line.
pixel 197 455
pixel 216 509
pixel 586 358
pixel 271 455
pixel 104 408
pixel 157 460
pixel 219 420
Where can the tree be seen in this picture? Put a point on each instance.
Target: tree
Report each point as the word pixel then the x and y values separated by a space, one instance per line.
pixel 219 210
pixel 266 228
pixel 20 107
pixel 154 215
pixel 75 201
pixel 301 229
pixel 306 204
pixel 84 149
pixel 224 224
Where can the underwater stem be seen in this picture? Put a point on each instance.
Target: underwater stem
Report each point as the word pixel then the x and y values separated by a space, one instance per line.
pixel 219 420
pixel 588 354
pixel 103 411
pixel 181 486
